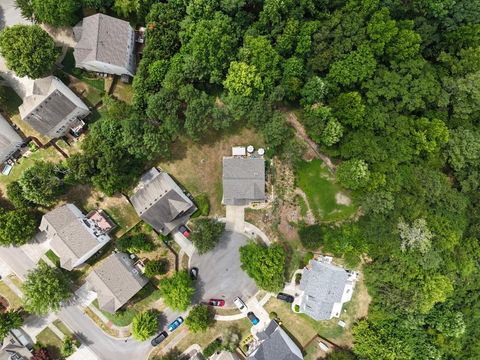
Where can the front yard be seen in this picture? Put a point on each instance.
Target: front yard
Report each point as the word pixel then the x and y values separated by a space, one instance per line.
pixel 51 341
pixel 14 302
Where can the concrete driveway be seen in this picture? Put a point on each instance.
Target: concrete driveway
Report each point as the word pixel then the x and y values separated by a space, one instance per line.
pixel 220 275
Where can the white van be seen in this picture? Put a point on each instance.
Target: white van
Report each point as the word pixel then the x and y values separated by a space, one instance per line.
pixel 240 304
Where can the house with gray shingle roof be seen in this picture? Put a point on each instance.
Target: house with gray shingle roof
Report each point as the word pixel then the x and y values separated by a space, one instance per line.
pixel 243 180
pixel 274 344
pixel 160 202
pixel 73 237
pixel 51 108
pixel 115 280
pixel 325 288
pixel 105 45
pixel 10 141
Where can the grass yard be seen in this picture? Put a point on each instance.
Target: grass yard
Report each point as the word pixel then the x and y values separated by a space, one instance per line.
pixel 16 281
pixel 198 166
pixel 13 300
pixel 326 198
pixel 73 148
pixel 53 343
pixel 142 301
pixel 49 154
pixel 121 91
pixel 53 257
pixel 203 339
pixel 69 66
pixel 100 323
pixel 62 327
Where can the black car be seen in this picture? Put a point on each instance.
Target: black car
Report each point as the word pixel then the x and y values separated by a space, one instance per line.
pixel 194 273
pixel 159 338
pixel 285 297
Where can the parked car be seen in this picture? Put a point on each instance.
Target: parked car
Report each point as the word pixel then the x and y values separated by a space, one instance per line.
pixel 240 304
pixel 159 338
pixel 194 273
pixel 216 302
pixel 251 316
pixel 285 297
pixel 178 321
pixel 184 230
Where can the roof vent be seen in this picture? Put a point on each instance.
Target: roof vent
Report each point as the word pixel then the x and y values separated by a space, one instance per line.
pixel 261 151
pixel 250 149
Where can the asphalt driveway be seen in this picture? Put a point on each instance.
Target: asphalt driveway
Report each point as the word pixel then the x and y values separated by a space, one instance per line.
pixel 220 275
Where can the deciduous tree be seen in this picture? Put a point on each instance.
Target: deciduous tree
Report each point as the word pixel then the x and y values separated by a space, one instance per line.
pixel 144 325
pixel 177 291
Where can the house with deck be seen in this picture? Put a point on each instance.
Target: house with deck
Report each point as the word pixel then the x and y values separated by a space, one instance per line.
pixel 160 202
pixel 274 344
pixel 325 288
pixel 115 280
pixel 10 141
pixel 73 236
pixel 51 108
pixel 105 45
pixel 243 178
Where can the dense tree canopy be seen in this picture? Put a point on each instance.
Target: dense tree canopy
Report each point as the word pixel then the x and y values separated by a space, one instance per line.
pixel 17 227
pixel 144 325
pixel 206 234
pixel 199 318
pixel 28 50
pixel 9 320
pixel 177 291
pixel 45 288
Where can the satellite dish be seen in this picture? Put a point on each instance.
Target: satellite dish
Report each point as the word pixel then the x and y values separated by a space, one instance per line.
pixel 250 149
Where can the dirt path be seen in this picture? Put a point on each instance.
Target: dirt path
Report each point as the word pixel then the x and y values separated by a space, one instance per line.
pixel 302 134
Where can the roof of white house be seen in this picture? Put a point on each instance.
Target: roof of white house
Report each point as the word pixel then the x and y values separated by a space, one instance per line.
pixel 103 38
pixel 243 180
pixel 9 139
pixel 47 103
pixel 323 285
pixel 73 236
pixel 115 280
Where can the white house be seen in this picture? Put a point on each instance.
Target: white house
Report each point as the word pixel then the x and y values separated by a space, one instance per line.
pixel 73 236
pixel 325 288
pixel 51 108
pixel 105 45
pixel 10 141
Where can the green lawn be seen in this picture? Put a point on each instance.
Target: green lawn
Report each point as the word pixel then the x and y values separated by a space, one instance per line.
pixel 318 184
pixel 62 327
pixel 140 302
pixel 69 66
pixel 52 342
pixel 14 301
pixel 53 257
pixel 49 154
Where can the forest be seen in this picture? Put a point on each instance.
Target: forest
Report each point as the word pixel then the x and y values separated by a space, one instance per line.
pixel 387 88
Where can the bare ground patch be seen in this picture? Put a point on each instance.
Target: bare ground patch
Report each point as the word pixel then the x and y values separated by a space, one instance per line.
pixel 342 199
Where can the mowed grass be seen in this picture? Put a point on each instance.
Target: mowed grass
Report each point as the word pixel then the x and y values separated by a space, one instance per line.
pixel 13 300
pixel 53 343
pixel 197 166
pixel 320 187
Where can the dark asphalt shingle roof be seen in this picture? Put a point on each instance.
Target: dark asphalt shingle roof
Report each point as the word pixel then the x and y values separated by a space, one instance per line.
pixel 243 180
pixel 323 285
pixel 276 345
pixel 160 202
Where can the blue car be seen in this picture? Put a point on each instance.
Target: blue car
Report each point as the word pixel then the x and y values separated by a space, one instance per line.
pixel 253 318
pixel 178 321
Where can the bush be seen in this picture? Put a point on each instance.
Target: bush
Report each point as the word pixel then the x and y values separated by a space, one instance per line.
pixel 306 259
pixel 297 308
pixel 298 277
pixel 206 234
pixel 311 236
pixel 135 243
pixel 199 318
pixel 68 346
pixel 203 205
pixel 211 348
pixel 273 315
pixel 77 72
pixel 144 325
pixel 156 267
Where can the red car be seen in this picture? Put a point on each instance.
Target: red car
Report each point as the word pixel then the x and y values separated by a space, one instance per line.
pixel 184 230
pixel 216 302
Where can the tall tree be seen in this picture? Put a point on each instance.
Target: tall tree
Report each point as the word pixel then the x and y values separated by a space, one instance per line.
pixel 56 13
pixel 177 291
pixel 9 320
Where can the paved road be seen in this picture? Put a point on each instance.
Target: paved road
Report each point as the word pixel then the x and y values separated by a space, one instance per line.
pixel 220 275
pixel 105 347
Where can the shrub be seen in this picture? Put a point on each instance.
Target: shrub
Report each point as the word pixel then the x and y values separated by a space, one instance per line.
pixel 306 259
pixel 211 348
pixel 206 234
pixel 298 277
pixel 77 72
pixel 135 243
pixel 203 205
pixel 144 325
pixel 199 318
pixel 156 267
pixel 273 315
pixel 297 308
pixel 68 346
pixel 311 236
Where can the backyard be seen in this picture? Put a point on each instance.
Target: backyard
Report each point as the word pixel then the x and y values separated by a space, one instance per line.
pixel 198 165
pixel 327 200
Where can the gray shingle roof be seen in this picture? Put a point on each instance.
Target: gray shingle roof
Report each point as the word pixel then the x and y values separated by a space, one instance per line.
pixel 323 286
pixel 70 237
pixel 276 345
pixel 160 202
pixel 10 141
pixel 243 180
pixel 103 38
pixel 115 280
pixel 49 105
